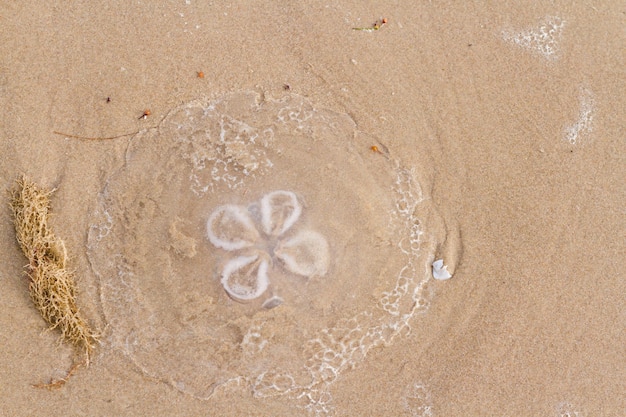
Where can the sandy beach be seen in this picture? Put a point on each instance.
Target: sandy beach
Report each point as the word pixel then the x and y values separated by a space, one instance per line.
pixel 252 195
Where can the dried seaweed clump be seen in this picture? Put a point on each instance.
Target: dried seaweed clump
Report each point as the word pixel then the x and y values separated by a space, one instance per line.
pixel 52 286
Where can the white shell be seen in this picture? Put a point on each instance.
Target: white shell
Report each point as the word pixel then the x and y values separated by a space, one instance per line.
pixel 279 211
pixel 245 277
pixel 230 227
pixel 440 271
pixel 305 254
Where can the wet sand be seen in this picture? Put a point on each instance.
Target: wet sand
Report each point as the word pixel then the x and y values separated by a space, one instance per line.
pixel 511 117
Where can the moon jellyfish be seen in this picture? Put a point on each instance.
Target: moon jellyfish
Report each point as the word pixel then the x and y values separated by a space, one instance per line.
pixel 304 254
pixel 259 241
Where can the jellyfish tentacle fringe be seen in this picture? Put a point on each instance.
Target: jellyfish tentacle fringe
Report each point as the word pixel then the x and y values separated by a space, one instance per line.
pixel 52 286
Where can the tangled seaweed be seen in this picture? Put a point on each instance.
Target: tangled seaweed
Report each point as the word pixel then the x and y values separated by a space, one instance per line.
pixel 52 286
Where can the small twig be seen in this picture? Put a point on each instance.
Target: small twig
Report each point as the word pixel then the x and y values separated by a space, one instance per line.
pixel 376 26
pixel 58 383
pixel 99 138
pixel 145 115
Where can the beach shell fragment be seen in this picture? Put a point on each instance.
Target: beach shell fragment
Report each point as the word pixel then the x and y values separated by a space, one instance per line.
pixel 440 271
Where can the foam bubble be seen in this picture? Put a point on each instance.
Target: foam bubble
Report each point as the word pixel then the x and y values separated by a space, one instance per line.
pixel 543 39
pixel 566 409
pixel 575 132
pixel 416 400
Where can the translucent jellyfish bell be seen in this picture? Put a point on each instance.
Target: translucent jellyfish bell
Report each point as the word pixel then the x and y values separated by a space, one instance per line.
pixel 203 262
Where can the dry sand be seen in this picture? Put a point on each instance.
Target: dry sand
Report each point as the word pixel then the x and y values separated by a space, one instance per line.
pixel 511 116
